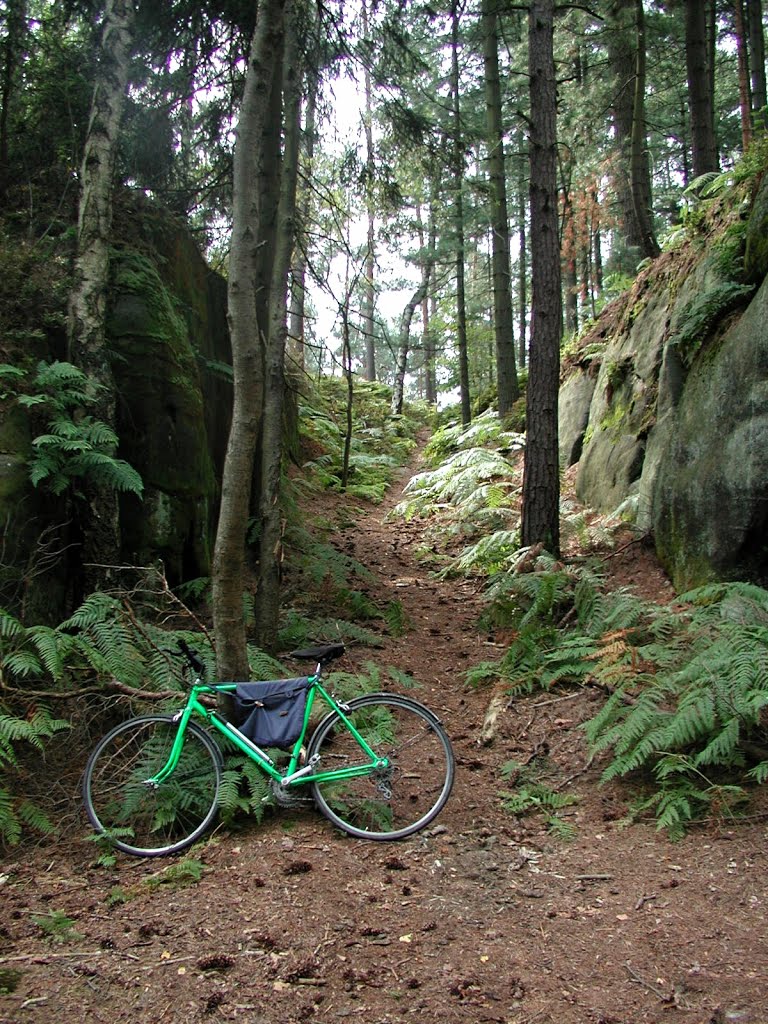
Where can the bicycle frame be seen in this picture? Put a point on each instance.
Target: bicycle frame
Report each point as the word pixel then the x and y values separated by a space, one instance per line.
pixel 293 774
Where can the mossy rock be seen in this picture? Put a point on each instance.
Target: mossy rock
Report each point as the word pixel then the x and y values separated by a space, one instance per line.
pixel 710 502
pixel 756 256
pixel 161 375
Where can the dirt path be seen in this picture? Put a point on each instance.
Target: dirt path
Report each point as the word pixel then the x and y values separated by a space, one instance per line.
pixel 484 918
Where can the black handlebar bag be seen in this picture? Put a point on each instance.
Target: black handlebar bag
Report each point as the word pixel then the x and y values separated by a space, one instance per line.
pixel 271 714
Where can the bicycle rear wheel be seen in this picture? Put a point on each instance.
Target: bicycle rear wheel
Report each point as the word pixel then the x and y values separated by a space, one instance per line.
pixel 392 802
pixel 152 820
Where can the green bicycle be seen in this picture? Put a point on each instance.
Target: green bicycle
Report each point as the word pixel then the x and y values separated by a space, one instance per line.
pixel 379 767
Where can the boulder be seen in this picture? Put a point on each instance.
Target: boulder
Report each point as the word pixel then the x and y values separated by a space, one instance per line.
pixel 710 499
pixel 677 431
pixel 168 328
pixel 573 414
pixel 756 255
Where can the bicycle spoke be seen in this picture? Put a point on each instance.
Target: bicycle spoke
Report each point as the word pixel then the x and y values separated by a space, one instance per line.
pixel 394 801
pixel 142 817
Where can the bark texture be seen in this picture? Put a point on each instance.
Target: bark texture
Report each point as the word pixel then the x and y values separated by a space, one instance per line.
pixel 632 174
pixel 270 524
pixel 503 324
pixel 369 293
pixel 541 478
pixel 700 95
pixel 250 222
pixel 458 221
pixel 88 298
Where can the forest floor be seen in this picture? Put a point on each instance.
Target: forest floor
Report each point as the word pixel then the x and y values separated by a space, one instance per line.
pixel 483 918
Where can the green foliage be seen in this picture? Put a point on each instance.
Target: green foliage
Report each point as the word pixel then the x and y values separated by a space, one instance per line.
pixel 74 446
pixel 380 442
pixel 18 813
pixel 104 640
pixel 490 554
pixel 179 875
pixel 300 630
pixel 396 619
pixel 9 980
pixel 698 711
pixel 244 789
pixel 686 794
pixel 703 313
pixel 533 796
pixel 486 431
pixel 319 577
pixel 470 496
pixel 687 685
pixel 56 926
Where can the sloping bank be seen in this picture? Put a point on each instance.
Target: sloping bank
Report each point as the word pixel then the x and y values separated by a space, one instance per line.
pixel 664 402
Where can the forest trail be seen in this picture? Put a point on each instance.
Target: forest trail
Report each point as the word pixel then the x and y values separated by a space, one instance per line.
pixel 483 918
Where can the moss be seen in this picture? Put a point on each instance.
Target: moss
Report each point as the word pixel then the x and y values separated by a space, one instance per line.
pixel 162 423
pixel 615 418
pixel 703 314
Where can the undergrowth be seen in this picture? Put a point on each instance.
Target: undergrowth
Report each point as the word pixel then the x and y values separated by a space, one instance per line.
pixel 379 442
pixel 686 686
pixel 122 650
pixel 470 498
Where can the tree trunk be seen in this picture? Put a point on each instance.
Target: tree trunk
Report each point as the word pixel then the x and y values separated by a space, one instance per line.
pixel 597 249
pixel 756 39
pixel 506 370
pixel 626 48
pixel 404 340
pixel 458 221
pixel 299 265
pixel 88 299
pixel 541 477
pixel 270 525
pixel 369 294
pixel 248 227
pixel 639 164
pixel 568 255
pixel 522 270
pixel 745 98
pixel 16 28
pixel 700 96
pixel 428 339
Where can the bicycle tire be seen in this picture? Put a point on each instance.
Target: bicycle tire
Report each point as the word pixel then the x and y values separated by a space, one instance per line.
pixel 142 820
pixel 391 803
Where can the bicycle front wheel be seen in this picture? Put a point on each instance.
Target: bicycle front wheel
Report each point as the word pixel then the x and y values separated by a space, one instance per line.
pixel 152 819
pixel 391 802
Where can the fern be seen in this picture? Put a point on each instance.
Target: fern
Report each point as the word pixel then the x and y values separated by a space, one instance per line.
pixel 490 554
pixel 699 707
pixel 688 684
pixel 486 430
pixel 703 313
pixel 16 812
pixel 533 796
pixel 299 630
pixel 74 447
pixel 244 790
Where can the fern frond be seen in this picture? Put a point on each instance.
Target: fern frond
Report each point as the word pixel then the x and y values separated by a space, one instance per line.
pixel 10 627
pixel 723 747
pixel 52 647
pixel 22 664
pixel 10 827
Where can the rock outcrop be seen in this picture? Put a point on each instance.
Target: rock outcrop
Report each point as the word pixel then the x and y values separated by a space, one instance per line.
pixel 665 404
